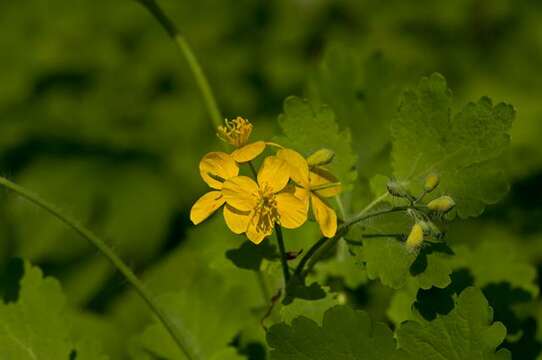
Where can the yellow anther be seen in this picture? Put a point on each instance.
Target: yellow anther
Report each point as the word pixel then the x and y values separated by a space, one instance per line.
pixel 235 132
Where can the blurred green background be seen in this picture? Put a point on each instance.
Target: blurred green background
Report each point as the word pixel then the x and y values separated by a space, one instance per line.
pixel 100 114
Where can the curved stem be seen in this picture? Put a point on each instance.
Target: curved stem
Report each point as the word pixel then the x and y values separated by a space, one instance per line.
pixel 106 251
pixel 195 67
pixel 318 249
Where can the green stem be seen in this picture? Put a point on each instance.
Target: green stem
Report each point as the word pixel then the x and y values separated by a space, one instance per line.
pixel 109 254
pixel 253 169
pixel 181 42
pixel 325 186
pixel 318 249
pixel 283 258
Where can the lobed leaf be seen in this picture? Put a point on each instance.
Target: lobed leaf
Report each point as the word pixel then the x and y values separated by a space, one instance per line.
pixel 461 149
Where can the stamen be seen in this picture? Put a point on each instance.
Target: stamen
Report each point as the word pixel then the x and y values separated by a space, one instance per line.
pixel 266 213
pixel 235 132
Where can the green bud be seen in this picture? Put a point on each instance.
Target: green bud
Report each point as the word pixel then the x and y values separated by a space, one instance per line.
pixel 430 229
pixel 415 238
pixel 398 189
pixel 321 157
pixel 431 182
pixel 425 227
pixel 441 204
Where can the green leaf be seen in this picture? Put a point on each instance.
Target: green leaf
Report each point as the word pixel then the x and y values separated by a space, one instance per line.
pixel 311 309
pixel 38 326
pixel 363 90
pixel 390 261
pixel 344 334
pixel 307 129
pixel 495 261
pixel 250 256
pixel 466 333
pixel 461 149
pixel 343 265
pixel 208 314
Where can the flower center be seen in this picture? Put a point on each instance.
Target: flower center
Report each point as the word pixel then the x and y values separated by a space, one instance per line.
pixel 266 213
pixel 235 132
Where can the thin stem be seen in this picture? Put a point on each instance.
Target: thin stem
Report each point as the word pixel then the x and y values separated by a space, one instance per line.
pixel 253 169
pixel 106 251
pixel 317 250
pixel 325 186
pixel 282 250
pixel 195 67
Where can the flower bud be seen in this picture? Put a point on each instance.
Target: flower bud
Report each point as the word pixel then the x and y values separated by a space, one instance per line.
pixel 441 204
pixel 415 238
pixel 430 229
pixel 431 182
pixel 321 157
pixel 398 189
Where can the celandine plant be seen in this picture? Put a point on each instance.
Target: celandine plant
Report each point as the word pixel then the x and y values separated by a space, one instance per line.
pixel 349 228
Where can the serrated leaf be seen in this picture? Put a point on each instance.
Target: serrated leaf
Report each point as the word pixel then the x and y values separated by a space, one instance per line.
pixel 38 326
pixel 466 333
pixel 345 334
pixel 311 309
pixel 307 129
pixel 495 261
pixel 363 91
pixel 461 149
pixel 207 313
pixel 390 261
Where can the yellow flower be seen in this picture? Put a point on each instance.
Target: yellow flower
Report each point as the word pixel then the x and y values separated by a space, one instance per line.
pixel 236 132
pixel 254 208
pixel 312 182
pixel 214 168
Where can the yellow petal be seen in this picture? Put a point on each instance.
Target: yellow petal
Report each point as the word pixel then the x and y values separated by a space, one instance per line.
pixel 299 168
pixel 205 206
pixel 215 166
pixel 325 216
pixel 320 176
pixel 274 174
pixel 236 220
pixel 241 192
pixel 248 152
pixel 292 211
pixel 256 235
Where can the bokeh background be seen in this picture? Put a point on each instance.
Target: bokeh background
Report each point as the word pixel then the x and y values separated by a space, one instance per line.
pixel 100 114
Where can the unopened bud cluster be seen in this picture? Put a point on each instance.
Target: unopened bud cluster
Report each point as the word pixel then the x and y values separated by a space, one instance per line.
pixel 424 215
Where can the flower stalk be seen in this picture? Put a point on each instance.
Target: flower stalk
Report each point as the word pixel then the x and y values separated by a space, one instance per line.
pixel 113 258
pixel 283 255
pixel 195 67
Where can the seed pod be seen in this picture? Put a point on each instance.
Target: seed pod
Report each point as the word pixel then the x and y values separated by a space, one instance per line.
pixel 415 238
pixel 441 204
pixel 398 189
pixel 321 157
pixel 431 182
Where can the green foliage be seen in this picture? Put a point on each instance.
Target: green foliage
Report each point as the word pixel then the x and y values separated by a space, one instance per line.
pixel 193 307
pixel 344 334
pixel 308 129
pixel 467 332
pixel 38 325
pixel 390 261
pixel 100 116
pixel 513 267
pixel 461 149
